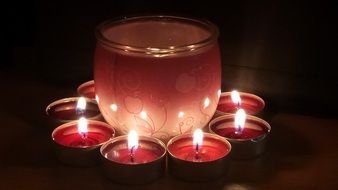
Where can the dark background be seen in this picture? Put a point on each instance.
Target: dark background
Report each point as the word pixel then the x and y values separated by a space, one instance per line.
pixel 284 51
pixel 281 50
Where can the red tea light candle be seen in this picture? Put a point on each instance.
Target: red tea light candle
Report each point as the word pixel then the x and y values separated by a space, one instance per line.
pixel 87 89
pixel 230 102
pixel 133 159
pixel 78 142
pixel 247 134
pixel 198 157
pixel 70 109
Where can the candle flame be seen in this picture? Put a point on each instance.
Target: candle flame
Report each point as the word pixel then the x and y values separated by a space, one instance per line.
pixel 198 137
pixel 82 126
pixel 81 104
pixel 236 98
pixel 240 119
pixel 132 140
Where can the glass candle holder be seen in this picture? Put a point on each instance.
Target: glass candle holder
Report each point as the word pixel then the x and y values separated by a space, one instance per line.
pixel 161 74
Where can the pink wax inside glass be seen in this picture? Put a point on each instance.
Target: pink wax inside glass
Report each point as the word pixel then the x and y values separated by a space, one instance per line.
pixel 252 129
pixel 70 137
pixel 87 90
pixel 146 152
pixel 250 103
pixel 67 110
pixel 211 149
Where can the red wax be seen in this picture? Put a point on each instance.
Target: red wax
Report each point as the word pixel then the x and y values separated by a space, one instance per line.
pixel 252 129
pixel 98 133
pixel 87 89
pixel 147 151
pixel 211 149
pixel 250 103
pixel 66 110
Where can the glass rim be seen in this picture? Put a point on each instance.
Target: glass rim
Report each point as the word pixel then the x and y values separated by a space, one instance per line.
pixel 202 23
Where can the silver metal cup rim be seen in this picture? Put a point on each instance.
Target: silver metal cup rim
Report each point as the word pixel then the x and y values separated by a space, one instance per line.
pixel 70 99
pixel 72 123
pixel 85 84
pixel 246 94
pixel 125 137
pixel 250 117
pixel 190 135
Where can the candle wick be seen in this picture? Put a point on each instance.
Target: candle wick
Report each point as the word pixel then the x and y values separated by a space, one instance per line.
pixel 132 154
pixel 79 112
pixel 197 152
pixel 239 130
pixel 83 135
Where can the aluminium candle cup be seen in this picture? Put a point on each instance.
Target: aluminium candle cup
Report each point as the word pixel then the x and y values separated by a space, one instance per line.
pixel 64 110
pixel 192 171
pixel 247 148
pixel 87 89
pixel 82 156
pixel 137 173
pixel 252 104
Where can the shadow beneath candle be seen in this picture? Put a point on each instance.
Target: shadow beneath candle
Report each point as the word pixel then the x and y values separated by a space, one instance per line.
pixel 168 182
pixel 288 149
pixel 24 145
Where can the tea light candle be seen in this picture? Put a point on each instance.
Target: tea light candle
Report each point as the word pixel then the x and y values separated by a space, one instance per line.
pixel 198 157
pixel 133 159
pixel 70 109
pixel 230 102
pixel 78 142
pixel 87 89
pixel 247 134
